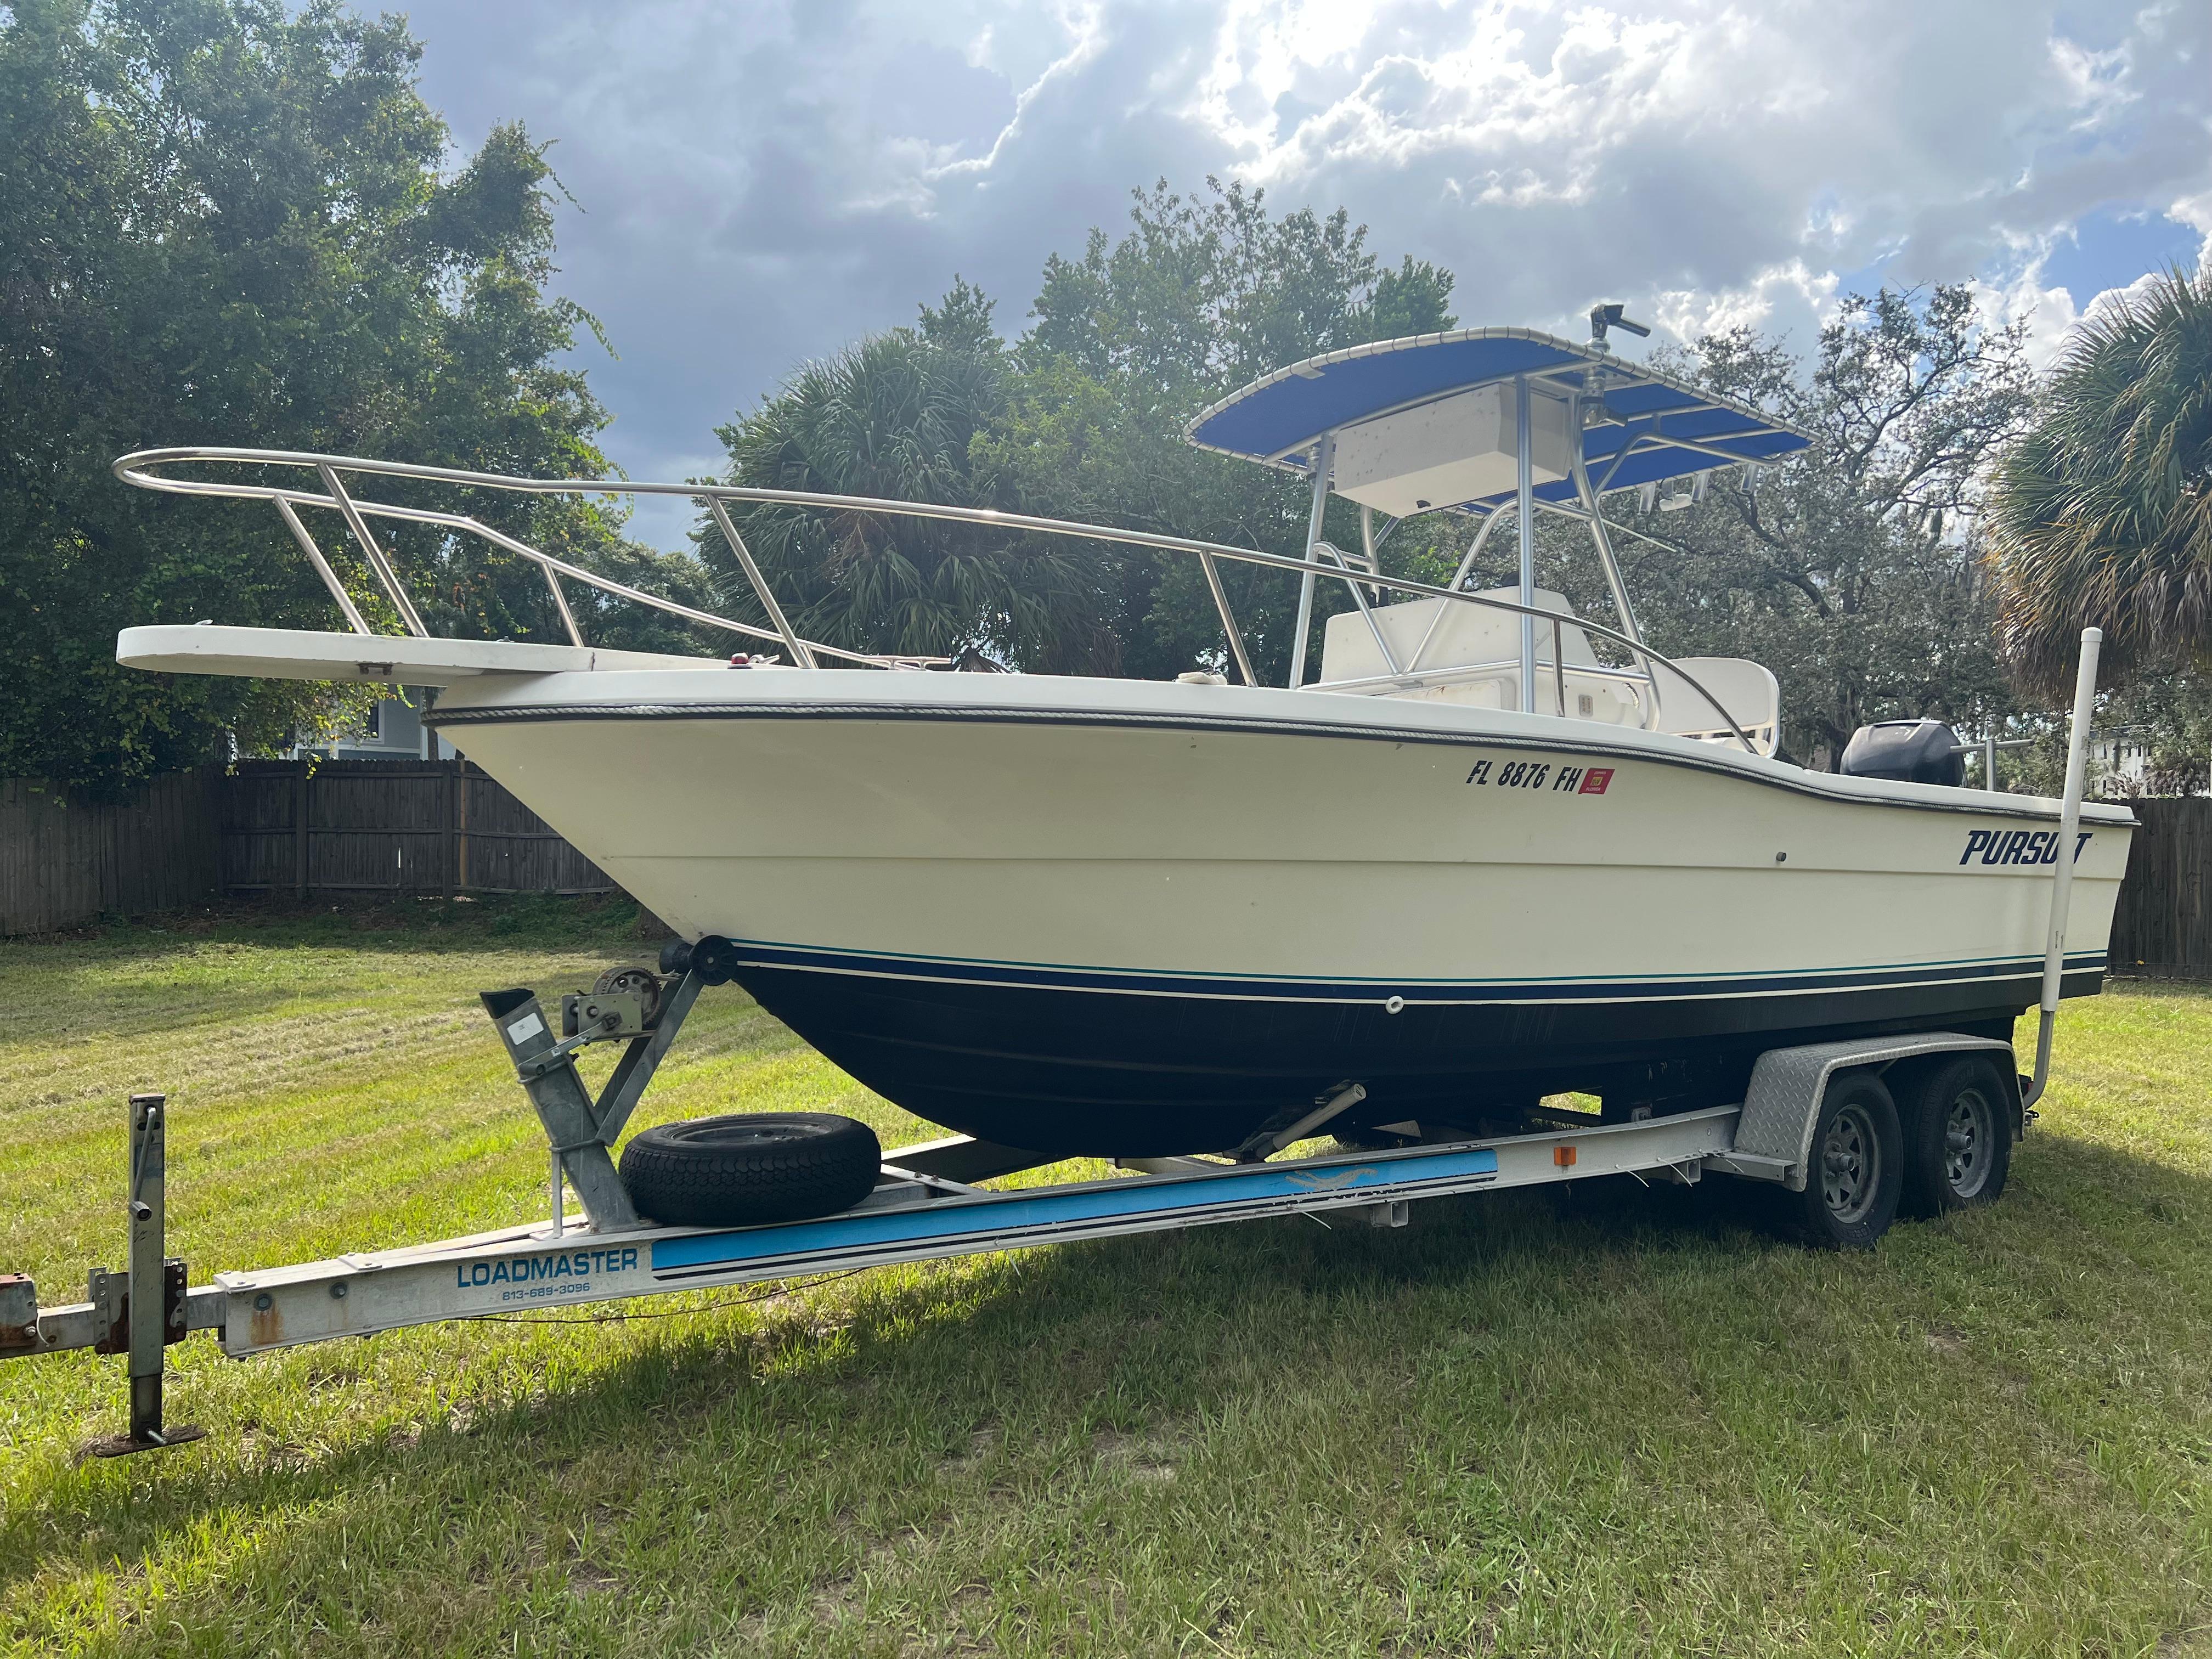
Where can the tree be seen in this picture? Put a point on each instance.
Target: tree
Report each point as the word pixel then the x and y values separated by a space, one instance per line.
pixel 1082 418
pixel 2103 509
pixel 223 223
pixel 895 416
pixel 1204 295
pixel 1126 344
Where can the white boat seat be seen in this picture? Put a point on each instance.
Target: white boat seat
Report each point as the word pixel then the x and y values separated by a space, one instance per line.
pixel 1746 690
pixel 1472 656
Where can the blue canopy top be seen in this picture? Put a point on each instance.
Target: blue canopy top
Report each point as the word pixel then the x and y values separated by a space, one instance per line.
pixel 1654 427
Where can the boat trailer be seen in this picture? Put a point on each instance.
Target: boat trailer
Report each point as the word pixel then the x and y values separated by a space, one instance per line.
pixel 926 1203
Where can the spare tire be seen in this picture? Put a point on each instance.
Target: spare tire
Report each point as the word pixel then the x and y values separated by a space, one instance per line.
pixel 749 1168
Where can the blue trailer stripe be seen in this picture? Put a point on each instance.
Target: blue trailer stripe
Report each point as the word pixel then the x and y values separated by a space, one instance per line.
pixel 1109 1200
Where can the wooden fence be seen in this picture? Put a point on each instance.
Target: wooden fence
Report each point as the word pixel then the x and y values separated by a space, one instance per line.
pixel 2163 923
pixel 64 859
pixel 375 826
pixel 294 827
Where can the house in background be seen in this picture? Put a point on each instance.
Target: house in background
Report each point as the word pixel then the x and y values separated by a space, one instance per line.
pixel 2121 756
pixel 394 730
pixel 2121 760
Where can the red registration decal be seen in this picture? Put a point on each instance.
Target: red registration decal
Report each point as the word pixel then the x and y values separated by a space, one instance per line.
pixel 1595 780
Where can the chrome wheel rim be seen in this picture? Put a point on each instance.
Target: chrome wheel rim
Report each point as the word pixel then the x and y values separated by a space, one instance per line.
pixel 1969 1142
pixel 1851 1165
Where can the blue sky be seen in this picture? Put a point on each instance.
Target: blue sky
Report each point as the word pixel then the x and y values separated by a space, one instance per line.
pixel 756 183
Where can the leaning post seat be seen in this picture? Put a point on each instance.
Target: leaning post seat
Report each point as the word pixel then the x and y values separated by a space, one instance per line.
pixel 1471 654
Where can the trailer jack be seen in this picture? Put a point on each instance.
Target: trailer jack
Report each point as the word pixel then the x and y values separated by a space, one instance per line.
pixel 142 1308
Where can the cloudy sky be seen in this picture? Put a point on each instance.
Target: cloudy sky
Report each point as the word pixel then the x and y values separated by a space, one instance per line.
pixel 757 183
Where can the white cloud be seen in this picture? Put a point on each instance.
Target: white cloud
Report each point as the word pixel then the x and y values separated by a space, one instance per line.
pixel 2195 212
pixel 760 184
pixel 2052 314
pixel 1791 290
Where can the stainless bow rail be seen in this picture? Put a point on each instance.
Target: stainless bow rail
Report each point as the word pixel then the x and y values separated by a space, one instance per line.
pixel 144 469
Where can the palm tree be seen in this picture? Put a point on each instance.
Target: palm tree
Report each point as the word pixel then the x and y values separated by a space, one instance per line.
pixel 2102 511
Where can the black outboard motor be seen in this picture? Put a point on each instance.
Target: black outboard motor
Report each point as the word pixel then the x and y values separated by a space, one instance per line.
pixel 1907 751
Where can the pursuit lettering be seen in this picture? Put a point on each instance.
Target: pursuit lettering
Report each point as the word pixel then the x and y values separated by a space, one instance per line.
pixel 2018 847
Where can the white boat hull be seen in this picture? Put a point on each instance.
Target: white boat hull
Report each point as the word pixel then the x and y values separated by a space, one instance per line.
pixel 1124 917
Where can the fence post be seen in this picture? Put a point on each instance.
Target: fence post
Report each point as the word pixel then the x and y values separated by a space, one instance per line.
pixel 453 819
pixel 299 829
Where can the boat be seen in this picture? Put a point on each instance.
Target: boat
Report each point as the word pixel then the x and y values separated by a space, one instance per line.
pixel 1490 852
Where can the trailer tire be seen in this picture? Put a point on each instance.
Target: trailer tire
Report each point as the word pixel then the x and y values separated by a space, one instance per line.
pixel 751 1168
pixel 1958 1137
pixel 1856 1172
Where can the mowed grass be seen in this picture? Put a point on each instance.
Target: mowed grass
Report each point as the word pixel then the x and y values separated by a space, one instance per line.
pixel 1619 1424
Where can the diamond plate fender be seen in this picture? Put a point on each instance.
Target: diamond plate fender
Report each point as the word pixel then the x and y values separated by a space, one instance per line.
pixel 1787 1084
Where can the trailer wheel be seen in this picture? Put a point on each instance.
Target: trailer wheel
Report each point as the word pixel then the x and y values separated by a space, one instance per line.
pixel 1858 1167
pixel 1958 1138
pixel 751 1168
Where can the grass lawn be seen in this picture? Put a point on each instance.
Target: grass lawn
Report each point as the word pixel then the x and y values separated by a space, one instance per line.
pixel 1519 1426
